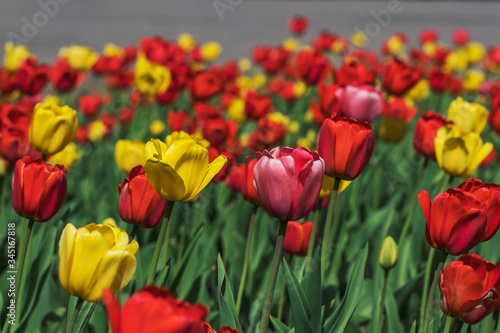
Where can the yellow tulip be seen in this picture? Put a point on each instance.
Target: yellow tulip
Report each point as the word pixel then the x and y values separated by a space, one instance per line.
pixel 15 55
pixel 279 118
pixel 180 135
pixel 150 78
pixel 259 80
pixel 456 61
pixel 129 154
pixel 210 51
pixel 81 58
pixel 303 142
pixel 475 52
pixel 157 127
pixel 236 110
pixel 97 129
pixel 244 64
pixel 291 44
pixel 473 79
pixel 52 99
pixel 419 91
pixel 299 88
pixel 359 38
pixel 95 257
pixel 67 157
pixel 395 45
pixel 180 171
pixel 393 130
pixel 469 117
pixel 112 50
pixel 459 154
pixel 388 253
pixel 429 48
pixel 186 42
pixel 52 127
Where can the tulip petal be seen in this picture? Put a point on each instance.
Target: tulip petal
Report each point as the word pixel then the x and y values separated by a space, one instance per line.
pixel 66 253
pixel 114 271
pixel 112 310
pixel 310 191
pixel 467 232
pixel 53 195
pixel 190 166
pixel 213 169
pixel 165 180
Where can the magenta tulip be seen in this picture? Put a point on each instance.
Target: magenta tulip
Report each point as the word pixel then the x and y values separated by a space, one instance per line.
pixel 288 181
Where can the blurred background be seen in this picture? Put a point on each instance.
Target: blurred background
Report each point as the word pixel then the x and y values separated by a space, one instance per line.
pixel 46 25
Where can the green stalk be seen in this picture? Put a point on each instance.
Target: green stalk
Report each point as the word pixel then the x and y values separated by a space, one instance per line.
pixel 159 243
pixel 448 324
pixel 495 323
pixel 22 268
pixel 74 316
pixel 430 297
pixel 133 232
pixel 282 301
pixel 278 254
pixel 425 293
pixel 312 238
pixel 413 202
pixel 328 226
pixel 380 319
pixel 245 260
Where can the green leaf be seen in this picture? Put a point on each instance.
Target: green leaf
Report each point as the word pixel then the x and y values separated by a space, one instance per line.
pixel 279 326
pixel 342 315
pixel 313 292
pixel 227 308
pixel 391 312
pixel 298 302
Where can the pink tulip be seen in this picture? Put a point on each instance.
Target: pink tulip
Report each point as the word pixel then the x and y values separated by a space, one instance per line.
pixel 361 102
pixel 288 181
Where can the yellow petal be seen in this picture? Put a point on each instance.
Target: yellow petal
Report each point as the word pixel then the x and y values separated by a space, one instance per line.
pixel 213 169
pixel 66 246
pixel 191 166
pixel 114 271
pixel 165 180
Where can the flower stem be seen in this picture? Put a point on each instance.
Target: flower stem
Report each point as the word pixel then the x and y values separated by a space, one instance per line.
pixel 245 260
pixel 380 319
pixel 430 297
pixel 133 232
pixel 22 263
pixel 312 238
pixel 448 324
pixel 428 269
pixel 278 254
pixel 159 243
pixel 328 226
pixel 74 316
pixel 413 202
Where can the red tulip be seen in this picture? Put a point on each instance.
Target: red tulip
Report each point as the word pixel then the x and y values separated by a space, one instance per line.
pixel 311 67
pixel 257 106
pixel 225 329
pixel 429 35
pixel 247 189
pixel 38 189
pixel 120 80
pixel 275 59
pixel 63 76
pixel 297 237
pixel 139 202
pixel 268 134
pixel 288 181
pixel 354 72
pixel 470 288
pixel 153 309
pixel 460 36
pixel 298 24
pixel 456 220
pixel 346 146
pixel 425 133
pixel 439 80
pixel 398 108
pixel 488 193
pixel 90 104
pixel 31 77
pixel 204 85
pixel 328 101
pixel 234 179
pixel 126 115
pixel 361 102
pixel 177 120
pixel 399 77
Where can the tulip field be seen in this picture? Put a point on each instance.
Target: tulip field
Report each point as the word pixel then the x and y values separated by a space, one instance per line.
pixel 315 186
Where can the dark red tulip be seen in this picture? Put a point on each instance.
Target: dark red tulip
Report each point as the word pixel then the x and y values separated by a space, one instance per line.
pixel 205 85
pixel 354 72
pixel 247 189
pixel 139 202
pixel 63 76
pixel 460 36
pixel 31 77
pixel 234 178
pixel 426 131
pixel 256 105
pixel 399 77
pixel 38 189
pixel 311 67
pixel 298 24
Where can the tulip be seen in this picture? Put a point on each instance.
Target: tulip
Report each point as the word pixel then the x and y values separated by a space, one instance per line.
pixel 257 106
pixel 363 103
pixel 210 51
pixel 151 78
pixel 288 181
pixel 178 172
pixel 31 77
pixel 177 120
pixel 346 145
pixel 298 24
pixel 328 101
pixel 311 67
pixel 205 85
pixel 490 159
pixel 128 154
pixel 89 105
pixel 460 36
pixel 52 127
pixel 399 77
pixel 469 117
pixel 63 76
pixel 297 237
pixel 38 189
pixel 15 55
pixel 388 253
pixel 450 216
pixel 157 127
pixel 354 73
pixel 95 257
pixel 459 155
pixel 153 309
pixel 139 203
pixel 67 157
pixel 174 136
pixel 81 58
pixel 426 131
pixel 226 329
pixel 470 288
pixel 235 178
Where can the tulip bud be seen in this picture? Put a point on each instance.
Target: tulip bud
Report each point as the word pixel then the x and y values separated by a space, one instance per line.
pixel 388 253
pixel 52 127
